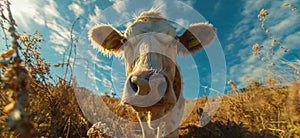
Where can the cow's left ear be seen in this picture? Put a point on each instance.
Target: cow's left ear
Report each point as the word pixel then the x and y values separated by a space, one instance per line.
pixel 106 39
pixel 197 36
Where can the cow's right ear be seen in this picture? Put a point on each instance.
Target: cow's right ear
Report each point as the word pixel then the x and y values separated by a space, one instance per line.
pixel 106 39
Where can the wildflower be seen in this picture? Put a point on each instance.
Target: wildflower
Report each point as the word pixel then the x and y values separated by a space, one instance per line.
pixel 267 31
pixel 263 13
pixel 256 47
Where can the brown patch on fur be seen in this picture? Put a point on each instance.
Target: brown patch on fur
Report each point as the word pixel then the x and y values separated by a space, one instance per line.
pixel 107 38
pixel 186 38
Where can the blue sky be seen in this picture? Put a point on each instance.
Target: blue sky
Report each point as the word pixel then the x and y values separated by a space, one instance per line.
pixel 238 28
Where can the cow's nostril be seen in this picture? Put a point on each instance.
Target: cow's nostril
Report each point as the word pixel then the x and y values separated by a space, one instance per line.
pixel 140 84
pixel 134 86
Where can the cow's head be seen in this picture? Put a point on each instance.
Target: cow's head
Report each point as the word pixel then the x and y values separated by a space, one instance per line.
pixel 150 47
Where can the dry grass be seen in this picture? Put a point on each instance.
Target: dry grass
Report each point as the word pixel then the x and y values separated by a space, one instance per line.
pixel 256 112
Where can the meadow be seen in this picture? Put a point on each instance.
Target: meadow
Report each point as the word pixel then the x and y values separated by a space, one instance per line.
pixel 35 103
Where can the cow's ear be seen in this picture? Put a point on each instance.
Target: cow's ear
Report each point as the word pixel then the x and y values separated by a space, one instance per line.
pixel 197 36
pixel 106 39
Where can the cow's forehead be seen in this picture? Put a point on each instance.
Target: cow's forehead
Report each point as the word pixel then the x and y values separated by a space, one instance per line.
pixel 150 22
pixel 150 14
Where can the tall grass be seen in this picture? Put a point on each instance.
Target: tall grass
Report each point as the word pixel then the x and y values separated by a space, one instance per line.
pixel 272 106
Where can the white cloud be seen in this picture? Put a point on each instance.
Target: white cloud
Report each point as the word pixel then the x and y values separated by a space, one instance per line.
pixel 252 59
pixel 86 2
pixel 190 2
pixel 92 56
pixel 217 5
pixel 119 5
pixel 59 34
pixel 56 38
pixel 39 19
pixel 94 19
pixel 252 7
pixel 50 10
pixel 61 29
pixel 159 5
pixel 106 82
pixel 43 13
pixel 229 47
pixel 182 22
pixel 24 10
pixel 104 67
pixel 240 30
pixel 292 41
pixel 287 25
pixel 92 79
pixel 76 9
pixel 59 49
pixel 255 70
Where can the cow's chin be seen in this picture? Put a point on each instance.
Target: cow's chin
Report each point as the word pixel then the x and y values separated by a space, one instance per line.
pixel 162 106
pixel 156 107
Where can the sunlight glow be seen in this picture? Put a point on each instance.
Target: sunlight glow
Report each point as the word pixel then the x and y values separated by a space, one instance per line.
pixel 24 10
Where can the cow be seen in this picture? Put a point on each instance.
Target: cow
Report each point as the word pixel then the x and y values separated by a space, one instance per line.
pixel 153 86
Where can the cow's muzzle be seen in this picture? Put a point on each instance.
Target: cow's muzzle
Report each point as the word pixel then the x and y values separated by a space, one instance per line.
pixel 145 89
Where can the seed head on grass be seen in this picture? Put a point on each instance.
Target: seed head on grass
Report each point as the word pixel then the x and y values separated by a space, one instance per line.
pixel 262 16
pixel 233 86
pixel 257 48
pixel 293 7
pixel 263 13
